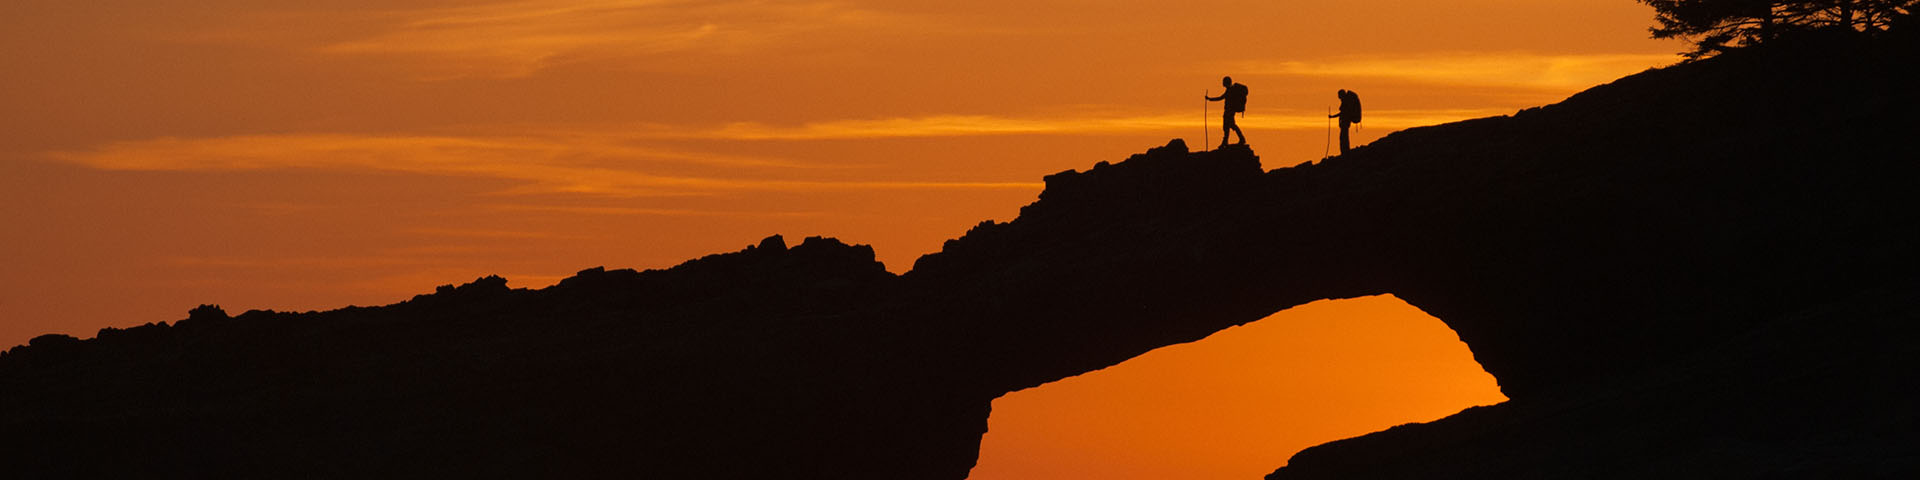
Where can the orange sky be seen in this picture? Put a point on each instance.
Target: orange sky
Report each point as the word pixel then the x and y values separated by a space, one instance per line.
pixel 313 154
pixel 1240 402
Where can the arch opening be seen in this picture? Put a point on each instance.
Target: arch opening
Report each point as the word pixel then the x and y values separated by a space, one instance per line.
pixel 1240 402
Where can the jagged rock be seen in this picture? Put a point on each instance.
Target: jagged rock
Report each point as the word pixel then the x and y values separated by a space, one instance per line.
pixel 207 313
pixel 53 341
pixel 773 243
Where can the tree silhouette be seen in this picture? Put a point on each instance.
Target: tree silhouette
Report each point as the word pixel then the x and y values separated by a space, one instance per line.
pixel 1719 25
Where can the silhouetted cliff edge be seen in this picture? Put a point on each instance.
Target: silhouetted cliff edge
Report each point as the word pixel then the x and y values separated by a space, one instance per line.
pixel 1703 270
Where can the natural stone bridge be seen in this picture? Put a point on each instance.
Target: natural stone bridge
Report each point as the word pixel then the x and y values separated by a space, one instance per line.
pixel 1589 246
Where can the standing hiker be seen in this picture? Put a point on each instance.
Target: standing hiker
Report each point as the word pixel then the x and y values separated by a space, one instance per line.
pixel 1236 98
pixel 1349 115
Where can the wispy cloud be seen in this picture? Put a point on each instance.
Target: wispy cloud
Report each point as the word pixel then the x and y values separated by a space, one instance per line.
pixel 1518 70
pixel 977 125
pixel 490 234
pixel 519 38
pixel 644 211
pixel 343 262
pixel 546 165
pixel 619 162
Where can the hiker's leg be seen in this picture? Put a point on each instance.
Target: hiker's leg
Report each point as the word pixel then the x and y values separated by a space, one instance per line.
pixel 1343 136
pixel 1227 127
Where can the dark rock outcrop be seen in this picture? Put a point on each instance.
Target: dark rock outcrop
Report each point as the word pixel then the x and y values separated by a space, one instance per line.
pixel 1702 268
pixel 1825 392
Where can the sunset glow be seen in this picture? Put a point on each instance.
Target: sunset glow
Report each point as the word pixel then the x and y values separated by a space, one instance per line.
pixel 287 155
pixel 1238 403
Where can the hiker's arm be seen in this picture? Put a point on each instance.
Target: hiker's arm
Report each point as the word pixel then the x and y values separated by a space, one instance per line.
pixel 1216 99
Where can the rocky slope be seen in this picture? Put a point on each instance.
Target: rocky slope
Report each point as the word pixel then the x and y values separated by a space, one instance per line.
pixel 1701 268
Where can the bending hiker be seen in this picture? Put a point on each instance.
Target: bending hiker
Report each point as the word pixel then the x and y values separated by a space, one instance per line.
pixel 1349 115
pixel 1236 98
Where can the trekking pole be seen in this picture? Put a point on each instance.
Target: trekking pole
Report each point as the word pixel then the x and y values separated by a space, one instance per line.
pixel 1205 133
pixel 1327 149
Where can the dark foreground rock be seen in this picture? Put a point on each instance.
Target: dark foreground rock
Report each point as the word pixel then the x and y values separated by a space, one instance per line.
pixel 1703 269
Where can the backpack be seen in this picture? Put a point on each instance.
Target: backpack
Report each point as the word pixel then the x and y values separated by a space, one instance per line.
pixel 1237 98
pixel 1350 106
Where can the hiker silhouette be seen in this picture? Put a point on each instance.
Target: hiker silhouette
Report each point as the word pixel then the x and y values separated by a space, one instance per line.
pixel 1236 98
pixel 1349 115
